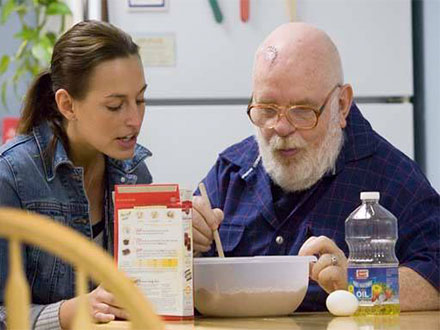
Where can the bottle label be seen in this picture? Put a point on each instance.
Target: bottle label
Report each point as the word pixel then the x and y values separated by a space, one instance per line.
pixel 374 285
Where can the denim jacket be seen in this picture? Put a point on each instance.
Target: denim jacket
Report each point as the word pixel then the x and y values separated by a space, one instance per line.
pixel 54 187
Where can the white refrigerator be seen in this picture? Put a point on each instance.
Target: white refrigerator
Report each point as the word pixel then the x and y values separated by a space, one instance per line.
pixel 199 70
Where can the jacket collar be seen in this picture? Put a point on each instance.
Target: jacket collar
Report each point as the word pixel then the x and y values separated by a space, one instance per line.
pixel 359 142
pixel 43 135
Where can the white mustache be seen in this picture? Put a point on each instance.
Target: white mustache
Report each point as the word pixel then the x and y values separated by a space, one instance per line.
pixel 291 142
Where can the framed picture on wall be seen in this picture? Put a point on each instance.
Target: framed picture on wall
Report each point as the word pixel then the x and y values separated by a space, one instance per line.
pixel 148 5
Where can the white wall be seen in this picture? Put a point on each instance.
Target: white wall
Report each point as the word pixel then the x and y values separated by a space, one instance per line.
pixel 431 11
pixel 215 60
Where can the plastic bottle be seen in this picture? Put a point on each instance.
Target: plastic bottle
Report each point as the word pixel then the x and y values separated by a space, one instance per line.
pixel 371 235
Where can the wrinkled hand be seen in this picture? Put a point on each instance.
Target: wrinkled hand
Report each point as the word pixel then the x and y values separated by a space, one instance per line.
pixel 205 220
pixel 103 308
pixel 330 271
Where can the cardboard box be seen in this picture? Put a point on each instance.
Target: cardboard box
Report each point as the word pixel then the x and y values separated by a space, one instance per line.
pixel 153 244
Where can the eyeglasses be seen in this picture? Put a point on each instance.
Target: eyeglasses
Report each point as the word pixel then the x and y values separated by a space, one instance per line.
pixel 300 116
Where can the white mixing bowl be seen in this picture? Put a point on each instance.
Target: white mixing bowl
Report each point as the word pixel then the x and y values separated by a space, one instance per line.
pixel 250 286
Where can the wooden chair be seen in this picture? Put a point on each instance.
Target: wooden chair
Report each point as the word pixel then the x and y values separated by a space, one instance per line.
pixel 89 260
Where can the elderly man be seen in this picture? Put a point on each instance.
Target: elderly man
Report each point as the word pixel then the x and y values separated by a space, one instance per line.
pixel 289 189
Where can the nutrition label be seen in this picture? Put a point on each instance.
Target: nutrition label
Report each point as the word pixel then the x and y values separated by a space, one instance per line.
pixel 152 250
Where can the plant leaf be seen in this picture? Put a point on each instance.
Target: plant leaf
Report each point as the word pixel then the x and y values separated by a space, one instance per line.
pixel 42 50
pixel 4 64
pixel 27 33
pixel 52 37
pixel 35 46
pixel 21 10
pixel 3 94
pixel 21 50
pixel 58 8
pixel 39 52
pixel 7 10
pixel 63 24
pixel 19 71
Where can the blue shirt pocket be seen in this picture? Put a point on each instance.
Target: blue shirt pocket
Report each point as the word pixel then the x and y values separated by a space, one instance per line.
pixel 231 236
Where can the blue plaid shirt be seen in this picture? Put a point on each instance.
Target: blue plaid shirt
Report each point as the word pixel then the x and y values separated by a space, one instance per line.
pixel 239 185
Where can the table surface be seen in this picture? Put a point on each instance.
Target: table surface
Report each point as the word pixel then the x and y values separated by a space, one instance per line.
pixel 304 321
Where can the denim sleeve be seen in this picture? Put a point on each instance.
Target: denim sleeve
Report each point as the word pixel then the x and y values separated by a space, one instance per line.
pixel 9 198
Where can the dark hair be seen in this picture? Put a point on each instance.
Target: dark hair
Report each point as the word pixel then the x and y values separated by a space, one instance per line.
pixel 75 55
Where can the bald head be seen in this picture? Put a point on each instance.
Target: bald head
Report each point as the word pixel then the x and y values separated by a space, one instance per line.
pixel 300 52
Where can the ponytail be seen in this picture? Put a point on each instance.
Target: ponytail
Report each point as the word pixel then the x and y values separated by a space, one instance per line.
pixel 40 106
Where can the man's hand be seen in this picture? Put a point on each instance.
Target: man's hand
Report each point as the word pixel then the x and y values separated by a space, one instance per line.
pixel 103 308
pixel 205 220
pixel 330 271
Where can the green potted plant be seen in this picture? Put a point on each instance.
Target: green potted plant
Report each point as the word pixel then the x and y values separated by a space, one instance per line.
pixel 36 40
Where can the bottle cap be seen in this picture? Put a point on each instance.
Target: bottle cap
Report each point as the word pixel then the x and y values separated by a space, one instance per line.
pixel 370 195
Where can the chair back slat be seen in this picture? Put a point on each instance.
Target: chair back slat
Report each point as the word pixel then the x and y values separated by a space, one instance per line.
pixel 90 260
pixel 82 318
pixel 17 297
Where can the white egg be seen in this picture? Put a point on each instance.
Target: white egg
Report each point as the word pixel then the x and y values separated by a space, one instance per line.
pixel 342 303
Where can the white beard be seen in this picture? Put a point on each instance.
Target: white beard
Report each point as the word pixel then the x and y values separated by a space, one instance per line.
pixel 309 165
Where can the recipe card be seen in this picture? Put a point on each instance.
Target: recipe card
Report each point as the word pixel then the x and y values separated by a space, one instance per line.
pixel 153 244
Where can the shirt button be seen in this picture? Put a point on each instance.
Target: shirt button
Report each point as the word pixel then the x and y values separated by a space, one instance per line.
pixel 122 179
pixel 279 240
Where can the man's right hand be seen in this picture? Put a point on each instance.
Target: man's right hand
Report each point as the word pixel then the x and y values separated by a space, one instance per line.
pixel 205 220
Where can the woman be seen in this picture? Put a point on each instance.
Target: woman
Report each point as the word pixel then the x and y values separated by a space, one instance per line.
pixel 77 139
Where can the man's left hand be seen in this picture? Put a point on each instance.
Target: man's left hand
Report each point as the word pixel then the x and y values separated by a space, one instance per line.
pixel 330 271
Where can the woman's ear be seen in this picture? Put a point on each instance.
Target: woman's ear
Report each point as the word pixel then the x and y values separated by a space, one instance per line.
pixel 65 104
pixel 345 100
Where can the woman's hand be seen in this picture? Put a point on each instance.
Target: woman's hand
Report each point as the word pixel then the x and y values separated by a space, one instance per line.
pixel 205 220
pixel 103 308
pixel 330 271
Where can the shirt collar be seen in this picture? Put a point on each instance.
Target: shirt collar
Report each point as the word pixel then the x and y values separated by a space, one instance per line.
pixel 43 135
pixel 359 139
pixel 129 165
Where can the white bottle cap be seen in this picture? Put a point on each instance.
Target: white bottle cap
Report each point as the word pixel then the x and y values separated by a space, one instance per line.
pixel 370 195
